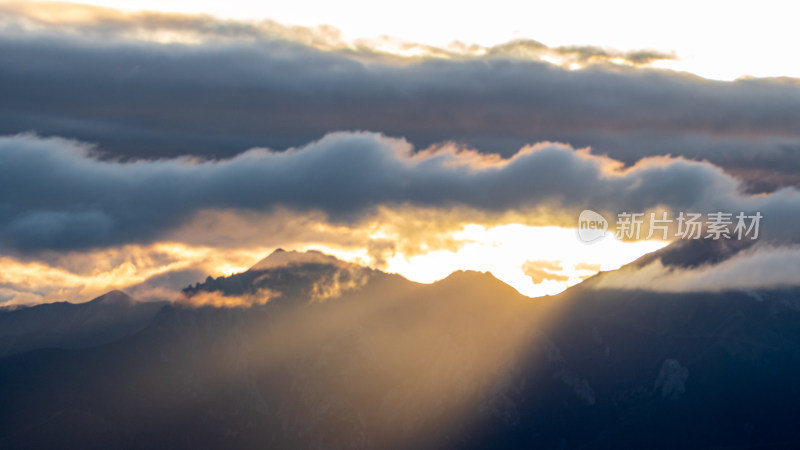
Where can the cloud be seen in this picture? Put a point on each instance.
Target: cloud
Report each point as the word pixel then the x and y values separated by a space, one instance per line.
pixel 108 23
pixel 219 300
pixel 758 268
pixel 221 87
pixel 57 196
pixel 573 55
pixel 166 27
pixel 540 271
pixel 155 271
pixel 257 110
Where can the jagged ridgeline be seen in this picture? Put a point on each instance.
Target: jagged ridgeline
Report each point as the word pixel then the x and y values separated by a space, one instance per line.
pixel 383 362
pixel 289 275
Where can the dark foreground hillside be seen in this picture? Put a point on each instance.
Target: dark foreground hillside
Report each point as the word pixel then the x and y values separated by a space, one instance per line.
pixel 346 357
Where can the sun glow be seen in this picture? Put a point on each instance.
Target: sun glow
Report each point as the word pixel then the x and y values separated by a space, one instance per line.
pixel 726 54
pixel 67 277
pixel 554 257
pixel 535 260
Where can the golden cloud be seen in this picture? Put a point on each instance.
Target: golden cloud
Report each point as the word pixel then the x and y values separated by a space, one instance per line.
pixel 203 28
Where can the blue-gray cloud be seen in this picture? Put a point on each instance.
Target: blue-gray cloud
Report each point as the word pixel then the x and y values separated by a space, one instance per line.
pixel 55 195
pixel 246 87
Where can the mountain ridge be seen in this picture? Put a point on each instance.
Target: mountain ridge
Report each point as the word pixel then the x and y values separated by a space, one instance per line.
pixel 67 325
pixel 463 363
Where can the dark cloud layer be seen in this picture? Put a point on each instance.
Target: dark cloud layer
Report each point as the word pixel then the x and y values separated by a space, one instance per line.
pixel 56 196
pixel 249 87
pixel 100 78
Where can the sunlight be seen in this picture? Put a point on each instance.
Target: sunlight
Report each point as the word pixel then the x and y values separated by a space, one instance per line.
pixel 726 54
pixel 504 250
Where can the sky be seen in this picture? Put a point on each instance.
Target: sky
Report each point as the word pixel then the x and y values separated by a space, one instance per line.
pixel 714 39
pixel 146 146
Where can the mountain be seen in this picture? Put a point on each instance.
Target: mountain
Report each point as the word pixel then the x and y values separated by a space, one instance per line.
pixel 281 258
pixel 463 363
pixel 287 276
pixel 74 325
pixel 643 369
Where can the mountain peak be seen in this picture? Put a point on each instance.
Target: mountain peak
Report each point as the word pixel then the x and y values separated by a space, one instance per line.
pixel 114 297
pixel 477 281
pixel 282 258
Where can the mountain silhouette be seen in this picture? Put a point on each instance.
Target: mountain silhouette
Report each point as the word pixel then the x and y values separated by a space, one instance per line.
pixel 74 325
pixel 466 362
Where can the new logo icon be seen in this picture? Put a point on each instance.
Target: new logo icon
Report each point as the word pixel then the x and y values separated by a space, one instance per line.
pixel 591 226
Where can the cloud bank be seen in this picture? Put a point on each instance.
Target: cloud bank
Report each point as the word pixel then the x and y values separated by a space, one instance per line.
pixel 760 268
pixel 57 196
pixel 153 85
pixel 141 146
